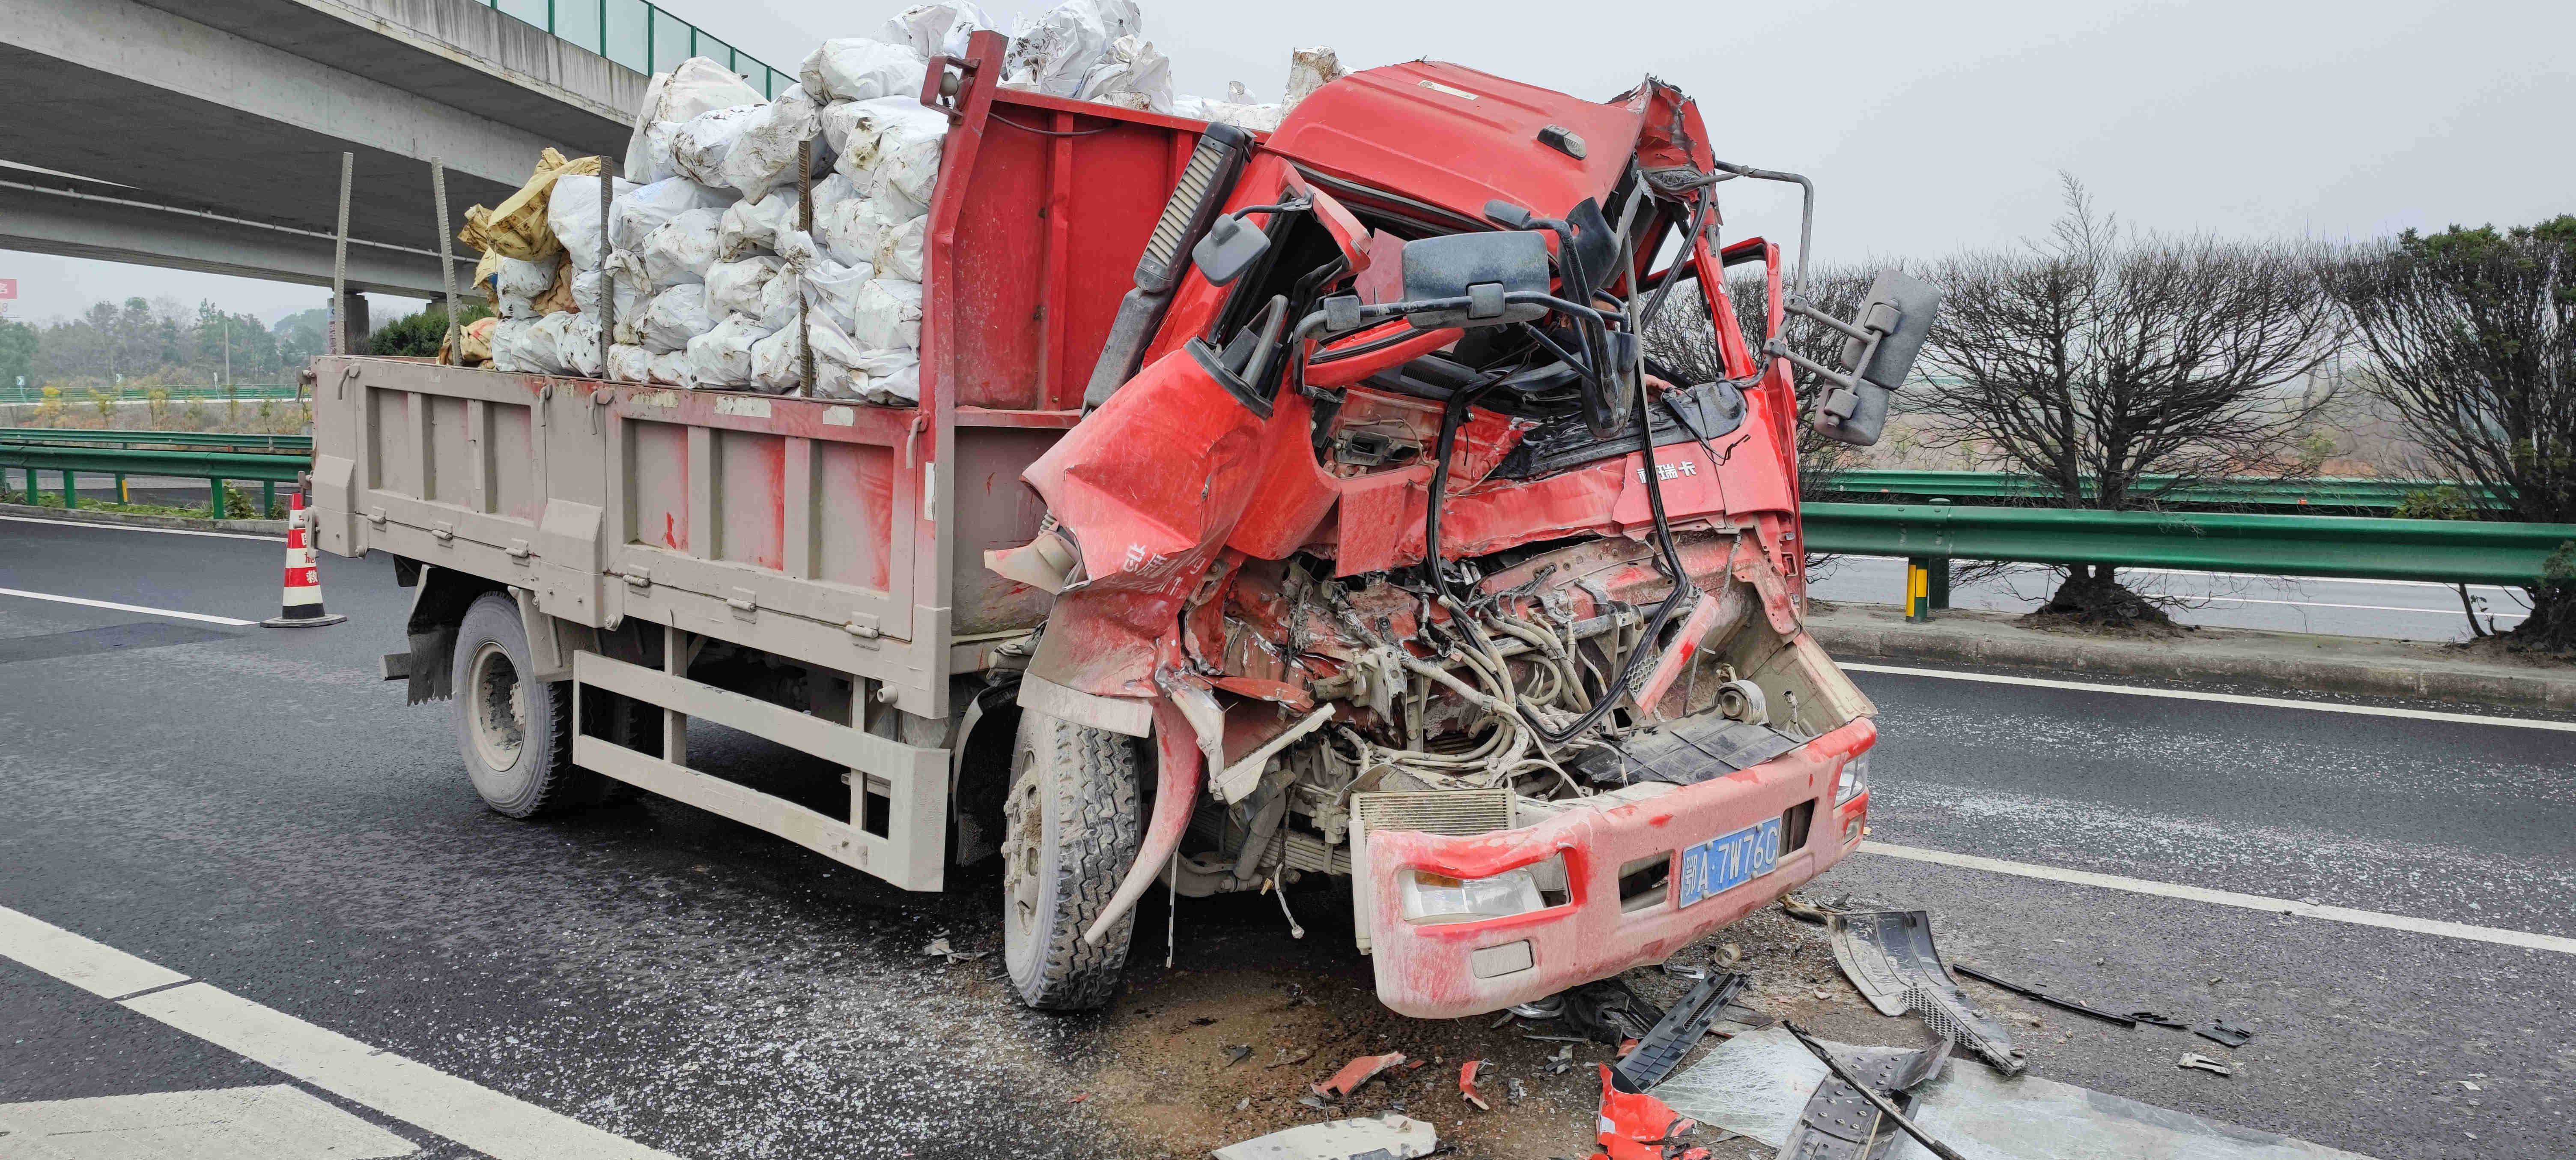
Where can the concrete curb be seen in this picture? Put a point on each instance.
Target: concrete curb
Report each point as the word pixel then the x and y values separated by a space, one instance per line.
pixel 184 523
pixel 2291 662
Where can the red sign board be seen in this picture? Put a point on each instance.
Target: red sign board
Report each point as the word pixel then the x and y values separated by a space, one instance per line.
pixel 8 288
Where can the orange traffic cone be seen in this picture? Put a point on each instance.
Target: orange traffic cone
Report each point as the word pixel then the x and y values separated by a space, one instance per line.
pixel 302 606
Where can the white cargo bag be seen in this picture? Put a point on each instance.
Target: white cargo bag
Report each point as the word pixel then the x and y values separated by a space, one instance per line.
pixel 670 369
pixel 510 350
pixel 579 345
pixel 1052 52
pixel 542 347
pixel 899 255
pixel 630 364
pixel 517 286
pixel 698 150
pixel 894 378
pixel 1133 77
pixel 936 29
pixel 572 212
pixel 858 69
pixel 682 251
pixel 866 130
pixel 632 297
pixel 673 318
pixel 889 315
pixel 764 156
pixel 699 85
pixel 636 215
pixel 735 287
pixel 854 230
pixel 1310 69
pixel 722 356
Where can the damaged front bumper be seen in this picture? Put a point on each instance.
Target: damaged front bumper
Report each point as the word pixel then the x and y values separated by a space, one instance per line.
pixel 1596 927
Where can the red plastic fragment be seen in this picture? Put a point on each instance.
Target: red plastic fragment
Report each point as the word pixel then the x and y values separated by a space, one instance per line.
pixel 1355 1073
pixel 1467 1084
pixel 1640 1127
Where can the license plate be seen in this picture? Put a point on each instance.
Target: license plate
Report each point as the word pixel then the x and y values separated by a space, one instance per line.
pixel 1718 865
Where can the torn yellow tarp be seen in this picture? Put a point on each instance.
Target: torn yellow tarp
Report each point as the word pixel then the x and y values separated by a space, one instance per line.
pixel 517 227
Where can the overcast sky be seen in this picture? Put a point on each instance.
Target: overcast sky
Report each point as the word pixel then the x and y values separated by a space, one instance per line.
pixel 1928 127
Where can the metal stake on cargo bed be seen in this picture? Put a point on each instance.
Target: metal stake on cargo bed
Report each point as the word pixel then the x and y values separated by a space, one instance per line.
pixel 805 222
pixel 446 261
pixel 607 280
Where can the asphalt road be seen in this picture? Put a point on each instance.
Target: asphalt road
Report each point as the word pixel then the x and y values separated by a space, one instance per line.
pixel 253 808
pixel 2408 610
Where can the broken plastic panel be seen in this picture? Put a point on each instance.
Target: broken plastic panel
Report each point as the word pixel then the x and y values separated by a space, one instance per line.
pixel 1889 956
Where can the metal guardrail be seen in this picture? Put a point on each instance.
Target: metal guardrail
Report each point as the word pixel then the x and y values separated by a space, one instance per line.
pixel 2322 492
pixel 81 437
pixel 2353 547
pixel 215 467
pixel 638 35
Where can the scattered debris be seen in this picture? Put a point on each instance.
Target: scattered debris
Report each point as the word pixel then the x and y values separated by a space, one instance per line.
pixel 2044 997
pixel 1805 911
pixel 1556 1038
pixel 2219 1030
pixel 2471 1086
pixel 1243 1103
pixel 1608 1012
pixel 939 948
pixel 1686 971
pixel 2204 1063
pixel 1235 1053
pixel 1392 1136
pixel 1563 1059
pixel 2153 1019
pixel 1889 956
pixel 1313 1101
pixel 1467 1084
pixel 1499 1020
pixel 1357 1072
pixel 1514 1090
pixel 1902 1072
pixel 1636 1126
pixel 1728 954
pixel 1079 1097
pixel 1287 1060
pixel 1680 1030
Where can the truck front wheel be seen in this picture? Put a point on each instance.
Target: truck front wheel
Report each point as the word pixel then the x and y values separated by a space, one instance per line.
pixel 1070 827
pixel 516 733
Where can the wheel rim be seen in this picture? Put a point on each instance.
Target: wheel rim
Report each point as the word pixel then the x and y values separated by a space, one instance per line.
pixel 496 713
pixel 1023 847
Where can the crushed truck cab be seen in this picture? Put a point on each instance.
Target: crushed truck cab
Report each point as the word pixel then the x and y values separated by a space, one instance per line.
pixel 1385 530
pixel 1275 510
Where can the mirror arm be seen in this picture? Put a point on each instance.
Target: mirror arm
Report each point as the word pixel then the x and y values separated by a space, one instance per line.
pixel 1806 212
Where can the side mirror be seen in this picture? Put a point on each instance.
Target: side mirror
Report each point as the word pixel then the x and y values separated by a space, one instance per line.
pixel 1229 248
pixel 1479 267
pixel 1879 349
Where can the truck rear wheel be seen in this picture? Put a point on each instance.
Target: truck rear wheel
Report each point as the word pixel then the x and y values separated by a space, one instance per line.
pixel 516 733
pixel 1070 828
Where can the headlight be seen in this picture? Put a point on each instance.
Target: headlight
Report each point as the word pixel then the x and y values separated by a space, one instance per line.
pixel 1431 899
pixel 1855 779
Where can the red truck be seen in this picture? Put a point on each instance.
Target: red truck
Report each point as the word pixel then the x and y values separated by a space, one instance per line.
pixel 1276 508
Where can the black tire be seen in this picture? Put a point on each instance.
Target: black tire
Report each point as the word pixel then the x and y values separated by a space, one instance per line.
pixel 515 734
pixel 1070 828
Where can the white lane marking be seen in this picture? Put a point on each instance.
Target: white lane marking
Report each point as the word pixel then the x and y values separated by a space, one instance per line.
pixel 94 967
pixel 2460 930
pixel 2228 698
pixel 143 528
pixel 277 1122
pixel 500 1126
pixel 148 611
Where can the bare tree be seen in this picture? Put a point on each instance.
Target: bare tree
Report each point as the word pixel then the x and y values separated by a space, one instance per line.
pixel 2096 359
pixel 2472 336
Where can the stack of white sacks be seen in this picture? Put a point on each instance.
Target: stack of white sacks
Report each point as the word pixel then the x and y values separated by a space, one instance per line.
pixel 705 247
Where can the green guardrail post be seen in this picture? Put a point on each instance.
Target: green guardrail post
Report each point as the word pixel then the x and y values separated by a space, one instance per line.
pixel 1937 579
pixel 215 498
pixel 121 496
pixel 71 489
pixel 267 497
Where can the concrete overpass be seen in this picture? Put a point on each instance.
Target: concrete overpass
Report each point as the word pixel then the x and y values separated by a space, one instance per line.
pixel 206 134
